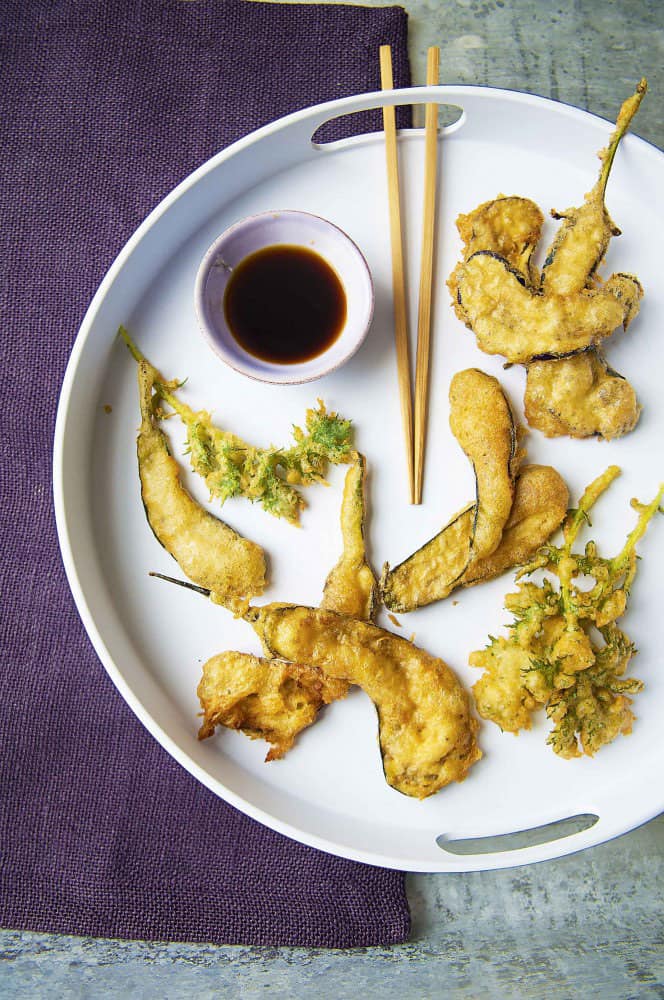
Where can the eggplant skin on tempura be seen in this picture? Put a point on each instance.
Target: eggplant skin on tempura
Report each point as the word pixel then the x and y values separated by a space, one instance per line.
pixel 515 510
pixel 270 700
pixel 581 397
pixel 208 550
pixel 553 322
pixel 427 731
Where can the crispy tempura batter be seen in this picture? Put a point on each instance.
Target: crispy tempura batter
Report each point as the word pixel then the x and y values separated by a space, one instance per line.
pixel 351 587
pixel 509 318
pixel 482 422
pixel 580 397
pixel 552 657
pixel 540 504
pixel 427 732
pixel 511 227
pixel 273 699
pixel 231 467
pixel 583 239
pixel 435 570
pixel 206 549
pixel 543 322
pixel 511 519
pixel 265 699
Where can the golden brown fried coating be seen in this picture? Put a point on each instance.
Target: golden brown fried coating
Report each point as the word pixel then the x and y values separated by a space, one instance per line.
pixel 494 287
pixel 501 694
pixel 441 565
pixel 509 226
pixel 583 238
pixel 540 504
pixel 511 319
pixel 205 548
pixel 580 397
pixel 351 587
pixel 265 699
pixel 434 570
pixel 482 422
pixel 564 651
pixel 426 729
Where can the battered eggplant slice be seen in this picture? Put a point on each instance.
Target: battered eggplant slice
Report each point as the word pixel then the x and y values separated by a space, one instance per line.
pixel 351 587
pixel 583 239
pixel 232 467
pixel 434 570
pixel 265 699
pixel 482 422
pixel 426 730
pixel 274 699
pixel 440 566
pixel 509 226
pixel 569 310
pixel 206 549
pixel 540 504
pixel 580 397
pixel 583 397
pixel 511 319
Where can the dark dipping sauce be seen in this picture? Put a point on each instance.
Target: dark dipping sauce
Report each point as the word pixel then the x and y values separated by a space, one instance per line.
pixel 285 304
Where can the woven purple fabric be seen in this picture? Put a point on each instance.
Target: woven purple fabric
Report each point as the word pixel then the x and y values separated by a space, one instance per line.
pixel 104 107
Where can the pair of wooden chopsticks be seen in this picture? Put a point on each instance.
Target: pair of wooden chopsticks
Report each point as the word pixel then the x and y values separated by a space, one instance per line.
pixel 414 449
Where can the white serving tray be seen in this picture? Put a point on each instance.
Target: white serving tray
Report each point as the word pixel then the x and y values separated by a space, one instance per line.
pixel 152 638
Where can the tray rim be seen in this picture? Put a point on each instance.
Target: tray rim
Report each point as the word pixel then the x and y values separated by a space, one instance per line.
pixel 311 118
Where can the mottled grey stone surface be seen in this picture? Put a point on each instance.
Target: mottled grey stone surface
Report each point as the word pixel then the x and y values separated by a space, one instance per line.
pixel 589 925
pixel 588 53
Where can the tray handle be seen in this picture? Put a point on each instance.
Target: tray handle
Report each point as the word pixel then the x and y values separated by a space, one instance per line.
pixel 324 113
pixel 521 847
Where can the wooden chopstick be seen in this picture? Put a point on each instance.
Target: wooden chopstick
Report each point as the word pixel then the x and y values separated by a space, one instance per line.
pixel 426 274
pixel 398 277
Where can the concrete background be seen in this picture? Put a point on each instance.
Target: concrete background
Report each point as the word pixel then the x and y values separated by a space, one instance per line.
pixel 589 925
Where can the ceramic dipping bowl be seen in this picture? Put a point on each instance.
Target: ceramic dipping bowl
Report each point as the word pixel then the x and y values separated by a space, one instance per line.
pixel 283 229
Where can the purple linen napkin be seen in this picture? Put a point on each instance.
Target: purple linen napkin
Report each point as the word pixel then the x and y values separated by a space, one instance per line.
pixel 104 107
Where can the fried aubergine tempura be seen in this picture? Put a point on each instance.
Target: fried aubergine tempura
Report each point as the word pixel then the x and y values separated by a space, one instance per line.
pixel 432 573
pixel 265 699
pixel 511 518
pixel 508 318
pixel 210 552
pixel 276 699
pixel 583 239
pixel 230 467
pixel 582 396
pixel 552 657
pixel 497 291
pixel 426 728
pixel 540 504
pixel 351 587
pixel 509 226
pixel 579 397
pixel 481 420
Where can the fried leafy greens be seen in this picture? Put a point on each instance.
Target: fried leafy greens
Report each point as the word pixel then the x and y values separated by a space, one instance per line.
pixel 565 651
pixel 231 468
